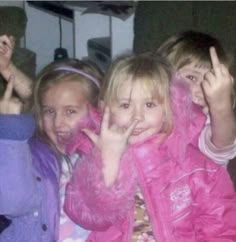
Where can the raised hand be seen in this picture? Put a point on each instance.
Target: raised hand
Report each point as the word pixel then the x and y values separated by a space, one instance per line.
pixel 6 49
pixel 9 104
pixel 22 83
pixel 217 85
pixel 112 138
pixel 112 142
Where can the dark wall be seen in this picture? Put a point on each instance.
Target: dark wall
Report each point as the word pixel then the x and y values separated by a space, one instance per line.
pixel 155 21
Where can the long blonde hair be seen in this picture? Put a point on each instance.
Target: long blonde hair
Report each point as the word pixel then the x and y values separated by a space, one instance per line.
pixel 153 72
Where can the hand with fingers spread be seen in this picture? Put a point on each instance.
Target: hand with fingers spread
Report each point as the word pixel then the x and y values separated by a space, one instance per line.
pixel 9 104
pixel 112 142
pixel 7 44
pixel 217 85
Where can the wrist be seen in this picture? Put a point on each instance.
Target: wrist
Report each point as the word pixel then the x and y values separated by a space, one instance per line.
pixel 223 107
pixel 110 172
pixel 221 112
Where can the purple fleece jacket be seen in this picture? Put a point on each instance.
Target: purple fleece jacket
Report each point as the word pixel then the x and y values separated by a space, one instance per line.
pixel 29 182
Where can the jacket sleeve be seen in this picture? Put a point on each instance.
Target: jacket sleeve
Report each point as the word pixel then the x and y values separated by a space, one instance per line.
pixel 90 203
pixel 219 155
pixel 17 184
pixel 215 207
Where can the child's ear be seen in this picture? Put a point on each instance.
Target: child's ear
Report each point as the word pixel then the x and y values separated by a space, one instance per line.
pixel 101 105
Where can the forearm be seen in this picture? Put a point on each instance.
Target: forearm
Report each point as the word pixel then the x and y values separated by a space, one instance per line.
pixel 223 125
pixel 110 171
pixel 220 156
pixel 22 83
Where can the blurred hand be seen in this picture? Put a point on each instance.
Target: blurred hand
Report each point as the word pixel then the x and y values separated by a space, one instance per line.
pixel 9 104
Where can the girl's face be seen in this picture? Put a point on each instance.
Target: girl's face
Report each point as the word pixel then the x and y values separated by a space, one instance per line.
pixel 136 103
pixel 194 76
pixel 63 106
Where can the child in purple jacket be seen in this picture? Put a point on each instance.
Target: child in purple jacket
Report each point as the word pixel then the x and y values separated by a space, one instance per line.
pixel 33 172
pixel 27 198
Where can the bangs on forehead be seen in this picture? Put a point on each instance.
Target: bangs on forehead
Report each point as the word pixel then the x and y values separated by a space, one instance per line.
pixel 152 73
pixel 200 60
pixel 149 84
pixel 154 86
pixel 121 79
pixel 202 64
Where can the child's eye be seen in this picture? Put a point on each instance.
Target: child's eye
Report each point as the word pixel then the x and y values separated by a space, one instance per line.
pixel 70 111
pixel 48 111
pixel 124 105
pixel 192 78
pixel 150 104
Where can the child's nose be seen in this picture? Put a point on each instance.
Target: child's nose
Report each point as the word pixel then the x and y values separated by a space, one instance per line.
pixel 197 90
pixel 58 120
pixel 138 114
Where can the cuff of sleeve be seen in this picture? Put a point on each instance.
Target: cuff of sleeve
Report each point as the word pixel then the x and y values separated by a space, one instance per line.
pixel 16 127
pixel 219 154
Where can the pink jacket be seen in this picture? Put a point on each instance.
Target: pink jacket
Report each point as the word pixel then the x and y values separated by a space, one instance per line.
pixel 188 197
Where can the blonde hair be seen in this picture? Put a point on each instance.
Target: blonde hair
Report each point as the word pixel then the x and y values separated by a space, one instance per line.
pixel 153 72
pixel 65 71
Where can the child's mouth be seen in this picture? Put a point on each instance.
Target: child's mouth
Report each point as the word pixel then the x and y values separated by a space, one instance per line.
pixel 63 137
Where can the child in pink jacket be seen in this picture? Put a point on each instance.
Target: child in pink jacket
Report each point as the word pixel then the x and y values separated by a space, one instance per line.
pixel 206 67
pixel 145 178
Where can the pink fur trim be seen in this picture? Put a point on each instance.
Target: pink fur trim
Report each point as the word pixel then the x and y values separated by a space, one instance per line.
pixel 93 205
pixel 80 142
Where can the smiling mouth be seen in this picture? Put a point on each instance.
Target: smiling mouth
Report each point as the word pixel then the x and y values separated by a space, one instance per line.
pixel 63 138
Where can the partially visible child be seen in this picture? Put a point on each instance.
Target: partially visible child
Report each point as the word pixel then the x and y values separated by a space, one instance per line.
pixel 201 60
pixel 22 86
pixel 22 83
pixel 145 179
pixel 64 95
pixel 28 177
